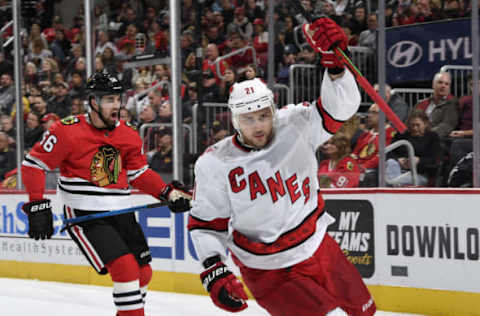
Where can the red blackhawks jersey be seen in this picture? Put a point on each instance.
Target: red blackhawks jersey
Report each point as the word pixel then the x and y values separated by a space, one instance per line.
pixel 96 165
pixel 264 204
pixel 366 148
pixel 345 174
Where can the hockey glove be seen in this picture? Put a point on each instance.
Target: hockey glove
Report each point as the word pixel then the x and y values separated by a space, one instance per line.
pixel 226 291
pixel 324 35
pixel 40 219
pixel 178 197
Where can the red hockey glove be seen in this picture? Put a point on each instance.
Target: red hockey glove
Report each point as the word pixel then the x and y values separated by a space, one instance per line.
pixel 40 219
pixel 226 291
pixel 324 35
pixel 178 197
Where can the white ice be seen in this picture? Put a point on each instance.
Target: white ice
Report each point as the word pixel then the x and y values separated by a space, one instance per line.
pixel 20 297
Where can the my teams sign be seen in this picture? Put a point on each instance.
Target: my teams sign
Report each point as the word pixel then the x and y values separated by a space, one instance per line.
pixel 417 52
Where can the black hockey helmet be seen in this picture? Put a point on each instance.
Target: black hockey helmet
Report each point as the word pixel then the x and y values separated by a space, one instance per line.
pixel 100 84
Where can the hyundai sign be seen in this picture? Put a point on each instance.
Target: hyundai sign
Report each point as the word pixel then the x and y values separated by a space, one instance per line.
pixel 416 52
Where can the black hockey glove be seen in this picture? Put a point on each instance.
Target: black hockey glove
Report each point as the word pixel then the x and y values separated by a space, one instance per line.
pixel 40 219
pixel 178 197
pixel 226 291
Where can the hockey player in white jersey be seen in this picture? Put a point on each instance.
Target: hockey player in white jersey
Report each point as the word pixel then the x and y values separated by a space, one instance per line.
pixel 257 194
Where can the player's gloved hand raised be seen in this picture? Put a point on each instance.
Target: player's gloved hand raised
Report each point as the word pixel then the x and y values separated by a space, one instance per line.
pixel 40 219
pixel 226 291
pixel 324 35
pixel 178 197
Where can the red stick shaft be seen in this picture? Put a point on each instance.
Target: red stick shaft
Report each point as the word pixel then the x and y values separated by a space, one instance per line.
pixel 391 116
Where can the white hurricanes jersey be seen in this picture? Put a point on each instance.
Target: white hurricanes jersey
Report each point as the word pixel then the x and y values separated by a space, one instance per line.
pixel 264 204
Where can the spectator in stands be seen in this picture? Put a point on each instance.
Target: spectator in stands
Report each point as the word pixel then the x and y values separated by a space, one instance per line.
pixel 35 32
pixel 126 116
pixel 61 102
pixel 155 98
pixel 31 73
pixel 328 9
pixel 148 114
pixel 126 44
pixel 108 59
pixel 396 102
pixel 158 37
pixel 307 56
pixel 368 38
pixel 49 68
pixel 227 83
pixel 241 25
pixel 210 87
pixel 214 36
pixel 39 105
pixel 260 41
pixel 162 159
pixel 130 18
pixel 7 126
pixel 77 52
pixel 289 58
pixel 33 130
pixel 39 51
pixel 165 111
pixel 253 10
pixel 219 131
pixel 77 106
pixel 104 42
pixel 442 107
pixel 187 45
pixel 77 88
pixel 209 63
pixel 61 46
pixel 125 76
pixel 7 93
pixel 426 145
pixel 339 170
pixel 48 119
pixel 8 156
pixel 365 151
pixel 5 64
pixel 358 24
pixel 352 130
pixel 461 137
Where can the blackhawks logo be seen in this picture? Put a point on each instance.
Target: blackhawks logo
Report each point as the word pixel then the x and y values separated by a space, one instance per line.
pixel 70 120
pixel 106 165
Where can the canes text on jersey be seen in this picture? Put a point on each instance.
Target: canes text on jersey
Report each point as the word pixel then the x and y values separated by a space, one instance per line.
pixel 276 186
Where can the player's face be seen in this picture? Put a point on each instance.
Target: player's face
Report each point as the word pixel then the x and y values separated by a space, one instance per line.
pixel 110 108
pixel 256 127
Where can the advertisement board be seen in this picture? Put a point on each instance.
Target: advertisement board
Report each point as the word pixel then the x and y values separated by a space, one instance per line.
pixel 416 52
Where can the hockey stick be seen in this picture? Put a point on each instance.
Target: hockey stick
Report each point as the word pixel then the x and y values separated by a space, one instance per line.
pixel 392 117
pixel 69 222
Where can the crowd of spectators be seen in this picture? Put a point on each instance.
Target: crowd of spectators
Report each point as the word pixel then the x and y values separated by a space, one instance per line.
pixel 53 55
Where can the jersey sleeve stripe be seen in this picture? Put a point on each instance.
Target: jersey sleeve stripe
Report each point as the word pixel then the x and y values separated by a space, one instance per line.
pixel 287 240
pixel 30 161
pixel 329 123
pixel 218 224
pixel 133 174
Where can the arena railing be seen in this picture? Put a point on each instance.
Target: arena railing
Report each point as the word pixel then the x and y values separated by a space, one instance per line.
pixel 459 73
pixel 305 79
pixel 148 129
pixel 412 95
pixel 411 158
pixel 235 52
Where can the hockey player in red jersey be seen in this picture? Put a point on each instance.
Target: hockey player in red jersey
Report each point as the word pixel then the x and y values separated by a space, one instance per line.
pixel 99 156
pixel 256 194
